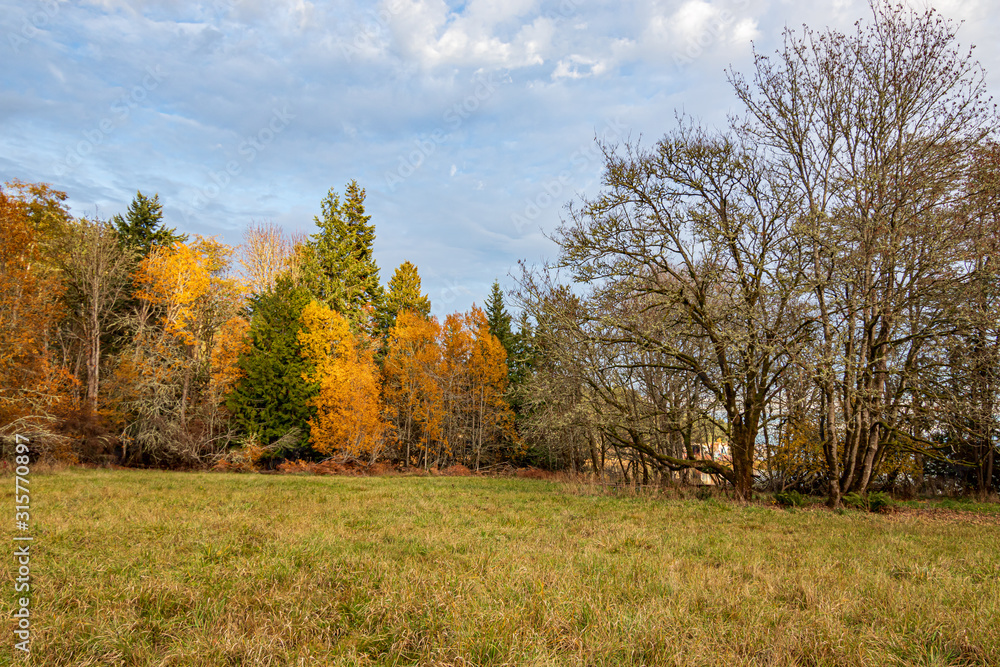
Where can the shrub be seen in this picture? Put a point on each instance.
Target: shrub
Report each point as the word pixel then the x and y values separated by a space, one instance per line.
pixel 790 499
pixel 872 502
pixel 880 502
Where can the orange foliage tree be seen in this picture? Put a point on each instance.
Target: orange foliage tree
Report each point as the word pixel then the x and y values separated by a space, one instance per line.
pixel 474 380
pixel 231 341
pixel 488 377
pixel 455 343
pixel 33 389
pixel 445 387
pixel 348 417
pixel 414 399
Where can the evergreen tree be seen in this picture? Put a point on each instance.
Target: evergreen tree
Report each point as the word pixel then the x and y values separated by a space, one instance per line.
pixel 499 319
pixel 142 226
pixel 404 294
pixel 344 275
pixel 139 231
pixel 499 322
pixel 273 397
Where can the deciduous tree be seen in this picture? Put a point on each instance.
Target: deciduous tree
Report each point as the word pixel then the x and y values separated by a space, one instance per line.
pixel 348 419
pixel 34 389
pixel 97 270
pixel 165 372
pixel 414 397
pixel 875 131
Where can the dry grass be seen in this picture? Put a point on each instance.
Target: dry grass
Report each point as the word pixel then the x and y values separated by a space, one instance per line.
pixel 160 568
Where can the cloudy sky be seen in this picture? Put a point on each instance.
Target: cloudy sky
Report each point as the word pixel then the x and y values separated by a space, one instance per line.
pixel 470 124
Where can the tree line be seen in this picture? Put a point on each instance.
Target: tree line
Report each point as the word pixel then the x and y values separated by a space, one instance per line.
pixel 126 341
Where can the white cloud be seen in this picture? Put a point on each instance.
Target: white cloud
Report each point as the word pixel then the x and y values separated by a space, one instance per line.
pixel 430 36
pixel 578 67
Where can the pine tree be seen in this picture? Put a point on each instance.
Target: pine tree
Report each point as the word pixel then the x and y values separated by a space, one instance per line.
pixel 272 396
pixel 346 276
pixel 142 227
pixel 523 351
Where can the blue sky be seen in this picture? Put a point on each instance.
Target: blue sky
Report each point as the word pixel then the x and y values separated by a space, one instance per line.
pixel 470 124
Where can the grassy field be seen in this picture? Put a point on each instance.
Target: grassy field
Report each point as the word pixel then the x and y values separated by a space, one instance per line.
pixel 160 568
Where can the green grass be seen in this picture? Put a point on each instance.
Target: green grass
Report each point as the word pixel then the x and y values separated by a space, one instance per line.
pixel 960 504
pixel 160 568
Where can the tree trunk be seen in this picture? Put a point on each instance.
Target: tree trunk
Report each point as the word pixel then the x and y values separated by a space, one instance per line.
pixel 742 447
pixel 593 454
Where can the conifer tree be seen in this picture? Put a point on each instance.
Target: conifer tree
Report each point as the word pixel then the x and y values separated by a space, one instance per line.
pixel 142 226
pixel 272 396
pixel 499 319
pixel 523 352
pixel 404 294
pixel 345 275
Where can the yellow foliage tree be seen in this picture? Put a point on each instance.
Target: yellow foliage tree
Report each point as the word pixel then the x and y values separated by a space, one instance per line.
pixel 186 283
pixel 170 399
pixel 230 343
pixel 348 417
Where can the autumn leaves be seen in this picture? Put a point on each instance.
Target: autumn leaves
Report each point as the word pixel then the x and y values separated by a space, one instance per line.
pixel 335 365
pixel 445 389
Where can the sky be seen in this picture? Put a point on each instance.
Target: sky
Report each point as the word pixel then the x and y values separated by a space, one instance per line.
pixel 470 124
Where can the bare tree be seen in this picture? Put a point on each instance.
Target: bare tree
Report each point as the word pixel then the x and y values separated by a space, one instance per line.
pixel 874 131
pixel 698 232
pixel 266 253
pixel 97 270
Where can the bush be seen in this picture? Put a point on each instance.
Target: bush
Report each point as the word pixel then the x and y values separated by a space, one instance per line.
pixel 880 502
pixel 872 502
pixel 790 499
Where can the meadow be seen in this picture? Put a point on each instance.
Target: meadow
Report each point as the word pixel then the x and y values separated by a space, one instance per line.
pixel 133 567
